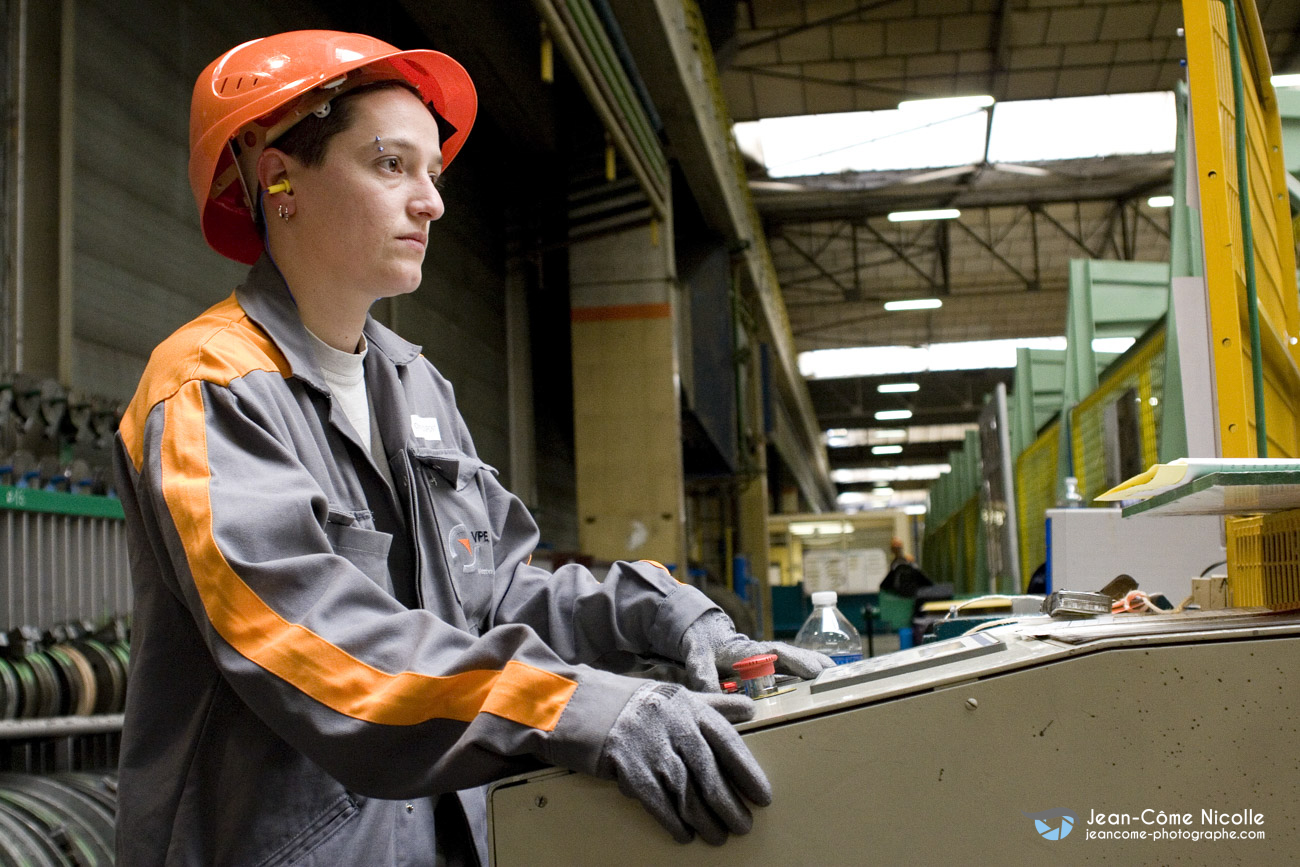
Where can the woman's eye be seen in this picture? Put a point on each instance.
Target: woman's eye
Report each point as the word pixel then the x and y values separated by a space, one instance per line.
pixel 437 179
pixel 389 164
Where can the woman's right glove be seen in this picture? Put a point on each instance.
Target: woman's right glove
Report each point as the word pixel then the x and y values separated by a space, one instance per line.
pixel 675 751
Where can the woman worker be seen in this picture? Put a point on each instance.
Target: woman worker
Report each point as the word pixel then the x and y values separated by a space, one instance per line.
pixel 337 635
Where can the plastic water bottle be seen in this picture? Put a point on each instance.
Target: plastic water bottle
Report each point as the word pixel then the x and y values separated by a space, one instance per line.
pixel 828 631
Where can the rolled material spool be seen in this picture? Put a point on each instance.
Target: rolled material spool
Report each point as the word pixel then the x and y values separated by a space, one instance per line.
pixel 87 823
pixel 69 679
pixel 21 842
pixel 84 676
pixel 29 700
pixel 58 821
pixel 50 691
pixel 100 786
pixel 110 675
pixel 10 691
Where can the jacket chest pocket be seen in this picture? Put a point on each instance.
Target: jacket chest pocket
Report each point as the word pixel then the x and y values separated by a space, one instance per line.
pixel 353 537
pixel 449 490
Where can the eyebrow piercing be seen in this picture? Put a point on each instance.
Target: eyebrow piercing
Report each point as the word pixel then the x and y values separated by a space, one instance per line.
pixel 378 145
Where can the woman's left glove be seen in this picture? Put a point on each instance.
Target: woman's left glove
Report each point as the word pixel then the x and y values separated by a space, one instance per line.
pixel 711 644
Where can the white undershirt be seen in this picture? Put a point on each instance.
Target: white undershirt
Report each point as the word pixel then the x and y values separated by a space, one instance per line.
pixel 344 373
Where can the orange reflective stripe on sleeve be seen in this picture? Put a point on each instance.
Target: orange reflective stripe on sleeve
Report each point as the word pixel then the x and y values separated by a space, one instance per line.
pixel 520 692
pixel 661 566
pixel 238 347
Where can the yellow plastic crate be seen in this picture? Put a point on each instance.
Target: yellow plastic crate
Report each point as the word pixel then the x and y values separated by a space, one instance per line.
pixel 1264 560
pixel 1281 550
pixel 1245 575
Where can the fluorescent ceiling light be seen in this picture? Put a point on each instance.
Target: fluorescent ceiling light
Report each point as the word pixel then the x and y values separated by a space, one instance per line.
pixel 914 304
pixel 886 450
pixel 1160 202
pixel 1288 80
pixel 947 103
pixel 907 501
pixel 903 473
pixel 893 414
pixel 777 186
pixel 926 433
pixel 821 528
pixel 1017 169
pixel 898 387
pixel 882 491
pixel 912 216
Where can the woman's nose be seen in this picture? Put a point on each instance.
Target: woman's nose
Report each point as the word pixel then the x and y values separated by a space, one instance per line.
pixel 428 204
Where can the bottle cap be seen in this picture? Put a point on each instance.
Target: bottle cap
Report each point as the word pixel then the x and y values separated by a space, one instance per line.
pixel 824 597
pixel 756 666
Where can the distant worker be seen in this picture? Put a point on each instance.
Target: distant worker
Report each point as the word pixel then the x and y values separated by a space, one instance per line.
pixel 899 556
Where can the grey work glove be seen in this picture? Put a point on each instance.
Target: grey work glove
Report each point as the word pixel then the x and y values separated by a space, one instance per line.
pixel 712 643
pixel 675 751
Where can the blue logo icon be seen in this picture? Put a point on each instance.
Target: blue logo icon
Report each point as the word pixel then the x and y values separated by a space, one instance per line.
pixel 1053 830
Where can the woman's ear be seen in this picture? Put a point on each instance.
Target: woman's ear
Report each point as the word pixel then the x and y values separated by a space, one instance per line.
pixel 273 172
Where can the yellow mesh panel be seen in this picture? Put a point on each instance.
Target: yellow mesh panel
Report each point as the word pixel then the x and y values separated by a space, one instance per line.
pixel 1035 494
pixel 1143 370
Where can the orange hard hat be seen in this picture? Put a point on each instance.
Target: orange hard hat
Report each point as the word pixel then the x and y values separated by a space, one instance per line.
pixel 249 96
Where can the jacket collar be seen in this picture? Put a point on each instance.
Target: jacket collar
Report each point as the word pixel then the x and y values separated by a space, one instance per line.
pixel 267 301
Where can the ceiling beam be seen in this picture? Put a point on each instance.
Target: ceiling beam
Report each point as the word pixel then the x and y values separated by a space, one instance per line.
pixel 902 256
pixel 847 292
pixel 812 25
pixel 992 251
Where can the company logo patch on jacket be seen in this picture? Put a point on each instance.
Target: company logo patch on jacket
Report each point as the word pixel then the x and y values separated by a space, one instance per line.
pixel 469 551
pixel 425 428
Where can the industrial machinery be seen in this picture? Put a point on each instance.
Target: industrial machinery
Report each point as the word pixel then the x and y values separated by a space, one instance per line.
pixel 1159 738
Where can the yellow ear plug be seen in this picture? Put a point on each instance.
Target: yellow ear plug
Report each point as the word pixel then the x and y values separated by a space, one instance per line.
pixel 282 187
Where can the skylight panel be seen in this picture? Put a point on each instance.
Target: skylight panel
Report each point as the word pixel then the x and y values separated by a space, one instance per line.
pixel 941 133
pixel 965 355
pixel 882 360
pixel 1082 127
pixel 821 144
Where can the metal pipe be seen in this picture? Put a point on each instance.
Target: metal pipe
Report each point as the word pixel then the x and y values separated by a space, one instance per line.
pixel 1247 234
pixel 591 83
pixel 617 85
pixel 18 310
pixel 624 54
pixel 66 191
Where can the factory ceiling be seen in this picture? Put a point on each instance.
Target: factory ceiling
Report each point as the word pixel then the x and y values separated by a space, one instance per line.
pixel 1001 268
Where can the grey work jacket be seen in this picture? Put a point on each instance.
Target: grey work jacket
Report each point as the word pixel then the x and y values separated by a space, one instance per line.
pixel 314 653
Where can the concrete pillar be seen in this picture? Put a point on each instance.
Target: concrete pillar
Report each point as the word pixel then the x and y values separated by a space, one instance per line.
pixel 37 298
pixel 627 417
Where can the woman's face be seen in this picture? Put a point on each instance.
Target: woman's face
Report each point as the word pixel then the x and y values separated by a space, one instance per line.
pixel 363 214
